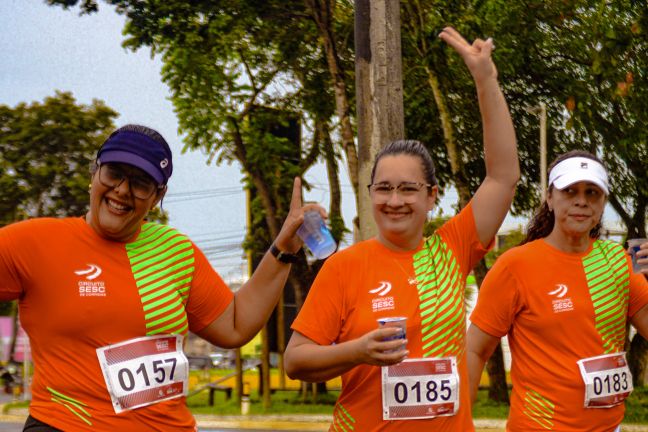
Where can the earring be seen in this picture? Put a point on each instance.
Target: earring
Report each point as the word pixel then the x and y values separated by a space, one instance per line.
pixel 89 187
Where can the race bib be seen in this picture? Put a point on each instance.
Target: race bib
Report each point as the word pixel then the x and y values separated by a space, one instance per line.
pixel 144 371
pixel 420 388
pixel 607 378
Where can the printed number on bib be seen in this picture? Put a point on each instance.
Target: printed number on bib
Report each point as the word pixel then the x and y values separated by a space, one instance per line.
pixel 144 371
pixel 420 388
pixel 607 378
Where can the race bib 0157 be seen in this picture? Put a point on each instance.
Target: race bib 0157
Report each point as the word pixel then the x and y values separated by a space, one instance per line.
pixel 144 371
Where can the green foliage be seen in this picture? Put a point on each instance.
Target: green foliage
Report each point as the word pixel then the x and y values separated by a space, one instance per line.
pixel 434 223
pixel 587 60
pixel 504 242
pixel 45 154
pixel 637 406
pixel 486 408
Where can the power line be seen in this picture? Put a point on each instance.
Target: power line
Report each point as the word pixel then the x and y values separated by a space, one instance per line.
pixel 174 197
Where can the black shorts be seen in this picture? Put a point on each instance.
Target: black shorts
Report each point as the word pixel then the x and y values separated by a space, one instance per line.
pixel 35 425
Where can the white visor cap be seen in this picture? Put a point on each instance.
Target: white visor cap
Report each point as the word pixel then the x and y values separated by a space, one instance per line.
pixel 578 169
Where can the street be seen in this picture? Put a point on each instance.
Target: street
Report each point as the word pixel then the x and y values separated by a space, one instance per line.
pixel 17 427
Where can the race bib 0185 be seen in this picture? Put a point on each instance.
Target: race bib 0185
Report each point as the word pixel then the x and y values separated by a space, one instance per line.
pixel 420 388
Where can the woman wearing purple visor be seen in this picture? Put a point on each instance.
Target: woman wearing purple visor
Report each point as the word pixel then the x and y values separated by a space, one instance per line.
pixel 107 299
pixel 563 298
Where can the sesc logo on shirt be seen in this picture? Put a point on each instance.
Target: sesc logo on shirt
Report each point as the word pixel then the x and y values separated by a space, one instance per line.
pixel 382 303
pixel 89 286
pixel 559 302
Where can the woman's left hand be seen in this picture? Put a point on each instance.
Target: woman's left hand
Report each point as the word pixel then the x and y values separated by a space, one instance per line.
pixel 477 55
pixel 641 258
pixel 287 240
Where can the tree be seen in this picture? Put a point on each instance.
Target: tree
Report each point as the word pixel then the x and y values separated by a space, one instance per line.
pixel 587 60
pixel 45 154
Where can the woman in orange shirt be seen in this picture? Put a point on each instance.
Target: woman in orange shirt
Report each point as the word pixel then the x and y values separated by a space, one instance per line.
pixel 563 298
pixel 107 298
pixel 399 273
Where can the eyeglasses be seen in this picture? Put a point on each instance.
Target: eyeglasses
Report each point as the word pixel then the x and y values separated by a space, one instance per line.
pixel 141 186
pixel 407 191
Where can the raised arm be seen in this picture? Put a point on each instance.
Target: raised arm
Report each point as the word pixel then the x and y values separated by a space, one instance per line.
pixel 494 196
pixel 254 302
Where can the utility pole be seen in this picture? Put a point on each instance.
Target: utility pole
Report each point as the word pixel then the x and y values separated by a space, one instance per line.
pixel 541 111
pixel 379 92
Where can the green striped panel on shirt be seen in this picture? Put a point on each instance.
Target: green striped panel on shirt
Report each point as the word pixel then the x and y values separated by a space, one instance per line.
pixel 342 419
pixel 539 409
pixel 608 279
pixel 441 287
pixel 162 262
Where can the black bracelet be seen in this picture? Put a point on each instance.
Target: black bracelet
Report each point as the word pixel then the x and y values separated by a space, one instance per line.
pixel 283 257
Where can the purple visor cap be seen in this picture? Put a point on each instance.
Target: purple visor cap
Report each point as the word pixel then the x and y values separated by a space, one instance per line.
pixel 140 151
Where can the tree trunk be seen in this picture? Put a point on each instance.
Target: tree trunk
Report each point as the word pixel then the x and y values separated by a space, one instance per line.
pixel 335 194
pixel 321 13
pixel 637 359
pixel 379 91
pixel 454 155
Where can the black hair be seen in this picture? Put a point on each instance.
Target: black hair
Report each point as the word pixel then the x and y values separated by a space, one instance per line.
pixel 411 148
pixel 542 222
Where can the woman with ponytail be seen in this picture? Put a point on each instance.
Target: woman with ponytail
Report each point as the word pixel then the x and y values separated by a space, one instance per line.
pixel 563 298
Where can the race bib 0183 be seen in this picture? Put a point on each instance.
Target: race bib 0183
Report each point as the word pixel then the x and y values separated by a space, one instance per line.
pixel 607 378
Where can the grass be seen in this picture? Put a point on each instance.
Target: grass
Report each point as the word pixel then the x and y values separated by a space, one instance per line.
pixel 636 407
pixel 485 408
pixel 290 402
pixel 282 402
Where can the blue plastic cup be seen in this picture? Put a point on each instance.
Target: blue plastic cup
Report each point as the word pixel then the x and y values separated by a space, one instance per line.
pixel 316 235
pixel 399 322
pixel 635 245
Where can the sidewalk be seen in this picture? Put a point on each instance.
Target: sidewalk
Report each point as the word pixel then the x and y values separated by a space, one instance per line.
pixel 288 422
pixel 302 422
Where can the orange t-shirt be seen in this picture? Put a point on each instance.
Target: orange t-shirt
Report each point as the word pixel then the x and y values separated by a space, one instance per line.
pixel 426 286
pixel 78 292
pixel 558 308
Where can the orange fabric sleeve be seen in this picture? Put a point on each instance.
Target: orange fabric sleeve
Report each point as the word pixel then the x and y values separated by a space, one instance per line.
pixel 499 301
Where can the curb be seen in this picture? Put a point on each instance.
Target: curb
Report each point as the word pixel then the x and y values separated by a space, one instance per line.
pixel 288 422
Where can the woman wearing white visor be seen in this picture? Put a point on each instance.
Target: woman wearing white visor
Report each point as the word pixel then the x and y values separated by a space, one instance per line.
pixel 563 297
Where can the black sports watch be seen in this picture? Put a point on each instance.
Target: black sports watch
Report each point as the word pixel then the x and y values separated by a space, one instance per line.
pixel 283 257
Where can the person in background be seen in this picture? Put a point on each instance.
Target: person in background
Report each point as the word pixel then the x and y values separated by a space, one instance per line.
pixel 107 298
pixel 563 298
pixel 401 274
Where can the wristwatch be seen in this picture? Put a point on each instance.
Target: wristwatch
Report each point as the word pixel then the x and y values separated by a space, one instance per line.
pixel 283 257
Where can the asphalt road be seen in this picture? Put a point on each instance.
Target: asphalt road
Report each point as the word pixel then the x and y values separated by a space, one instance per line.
pixel 17 427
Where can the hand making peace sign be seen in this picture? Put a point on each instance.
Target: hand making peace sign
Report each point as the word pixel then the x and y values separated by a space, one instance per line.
pixel 477 55
pixel 287 240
